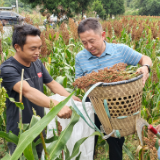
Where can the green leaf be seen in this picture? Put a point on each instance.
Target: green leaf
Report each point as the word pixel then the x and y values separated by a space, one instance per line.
pixel 1 121
pixel 10 137
pixel 25 126
pixel 28 136
pixel 69 54
pixel 28 153
pixel 66 151
pixel 34 151
pixel 34 120
pixel 78 157
pixel 106 147
pixel 6 157
pixel 69 90
pixel 55 137
pixel 101 143
pixel 128 152
pixel 38 142
pixel 157 144
pixel 62 80
pixel 55 148
pixel 18 104
pixel 50 140
pixel 78 143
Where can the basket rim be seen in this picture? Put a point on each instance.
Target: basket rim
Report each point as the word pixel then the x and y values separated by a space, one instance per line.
pixel 122 82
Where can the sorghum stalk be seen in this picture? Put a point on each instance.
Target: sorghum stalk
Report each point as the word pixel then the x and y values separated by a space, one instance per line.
pixel 2 105
pixel 44 147
pixel 20 99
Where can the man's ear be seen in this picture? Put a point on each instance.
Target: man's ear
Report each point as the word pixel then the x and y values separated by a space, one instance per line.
pixel 104 35
pixel 17 48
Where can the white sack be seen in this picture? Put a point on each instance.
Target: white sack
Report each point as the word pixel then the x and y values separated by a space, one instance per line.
pixel 80 129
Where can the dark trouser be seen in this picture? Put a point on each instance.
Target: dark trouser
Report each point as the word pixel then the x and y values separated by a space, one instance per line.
pixel 39 147
pixel 115 144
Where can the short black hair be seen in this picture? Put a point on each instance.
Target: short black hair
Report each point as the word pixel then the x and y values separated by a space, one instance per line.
pixel 20 32
pixel 89 24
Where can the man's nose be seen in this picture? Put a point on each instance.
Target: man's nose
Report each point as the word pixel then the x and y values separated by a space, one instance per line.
pixel 89 45
pixel 38 51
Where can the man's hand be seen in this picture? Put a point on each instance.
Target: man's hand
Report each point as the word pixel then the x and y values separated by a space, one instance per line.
pixel 65 112
pixel 144 71
pixel 76 98
pixel 158 128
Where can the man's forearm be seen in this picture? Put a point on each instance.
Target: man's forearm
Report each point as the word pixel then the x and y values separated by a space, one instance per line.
pixel 145 60
pixel 38 98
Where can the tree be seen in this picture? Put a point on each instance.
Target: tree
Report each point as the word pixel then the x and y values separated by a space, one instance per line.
pixel 119 7
pixel 113 7
pixel 98 7
pixel 9 3
pixel 60 8
pixel 1 3
pixel 128 2
pixel 148 7
pixel 83 5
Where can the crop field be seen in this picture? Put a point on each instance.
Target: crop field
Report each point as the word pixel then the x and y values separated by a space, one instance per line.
pixel 60 46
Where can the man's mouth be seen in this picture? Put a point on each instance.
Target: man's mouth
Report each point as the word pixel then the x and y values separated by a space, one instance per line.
pixel 92 51
pixel 36 57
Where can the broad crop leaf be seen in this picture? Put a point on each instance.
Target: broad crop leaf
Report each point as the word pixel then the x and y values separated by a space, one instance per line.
pixel 78 143
pixel 25 126
pixel 55 137
pixel 38 142
pixel 6 157
pixel 66 151
pixel 78 157
pixel 1 121
pixel 69 90
pixel 28 152
pixel 62 80
pixel 18 104
pixel 55 148
pixel 34 120
pixel 128 152
pixel 10 137
pixel 49 140
pixel 156 144
pixel 28 136
pixel 34 151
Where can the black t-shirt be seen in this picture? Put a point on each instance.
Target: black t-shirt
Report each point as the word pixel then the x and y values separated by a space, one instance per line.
pixel 35 75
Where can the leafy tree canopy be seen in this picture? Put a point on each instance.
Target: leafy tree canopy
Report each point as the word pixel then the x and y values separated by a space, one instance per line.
pixel 113 7
pixel 98 7
pixel 9 3
pixel 146 7
pixel 149 7
pixel 60 8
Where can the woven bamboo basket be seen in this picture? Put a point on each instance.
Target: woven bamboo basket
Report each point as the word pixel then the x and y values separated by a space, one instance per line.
pixel 124 103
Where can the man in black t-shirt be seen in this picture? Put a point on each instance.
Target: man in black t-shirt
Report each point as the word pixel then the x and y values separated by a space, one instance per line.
pixel 27 43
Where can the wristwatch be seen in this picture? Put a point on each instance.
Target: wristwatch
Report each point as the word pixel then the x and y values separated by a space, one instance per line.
pixel 149 69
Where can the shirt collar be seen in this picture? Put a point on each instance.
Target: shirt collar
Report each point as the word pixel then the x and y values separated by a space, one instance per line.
pixel 107 50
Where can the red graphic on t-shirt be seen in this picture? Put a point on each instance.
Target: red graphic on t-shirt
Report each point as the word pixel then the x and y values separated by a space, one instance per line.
pixel 39 74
